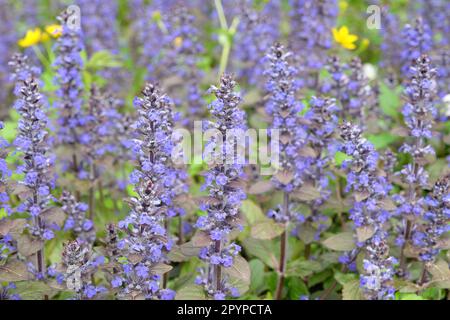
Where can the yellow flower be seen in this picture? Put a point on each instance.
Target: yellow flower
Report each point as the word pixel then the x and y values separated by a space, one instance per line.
pixel 36 35
pixel 178 41
pixel 345 38
pixel 343 5
pixel 55 30
pixel 31 38
pixel 45 37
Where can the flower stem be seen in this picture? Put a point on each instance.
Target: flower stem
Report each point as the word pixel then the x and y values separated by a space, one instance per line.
pixel 166 275
pixel 283 251
pixel 101 193
pixel 75 170
pixel 423 276
pixel 402 253
pixel 227 40
pixel 221 14
pixel 307 253
pixel 224 58
pixel 92 192
pixel 217 271
pixel 412 198
pixel 41 57
pixel 40 253
pixel 38 224
pixel 180 230
pixel 328 291
pixel 40 256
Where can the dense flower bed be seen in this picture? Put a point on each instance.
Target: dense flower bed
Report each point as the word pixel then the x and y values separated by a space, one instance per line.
pixel 99 199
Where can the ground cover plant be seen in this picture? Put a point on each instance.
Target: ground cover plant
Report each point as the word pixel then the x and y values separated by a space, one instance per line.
pixel 224 149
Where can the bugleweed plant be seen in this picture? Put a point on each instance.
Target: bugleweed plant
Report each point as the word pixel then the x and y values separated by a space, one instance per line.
pixel 226 149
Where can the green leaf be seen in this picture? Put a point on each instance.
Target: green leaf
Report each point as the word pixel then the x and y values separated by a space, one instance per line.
pixel 260 187
pixel 190 292
pixel 306 193
pixel 360 196
pixel 343 278
pixel 239 274
pixel 54 215
pixel 387 204
pixel 265 250
pixel 440 275
pixel 188 249
pixel 160 268
pixel 405 286
pixel 257 274
pixel 266 230
pixel 198 241
pixel 175 255
pixel 390 100
pixel 306 233
pixel 240 270
pixel 364 233
pixel 88 79
pixel 22 191
pixel 201 239
pixel 337 205
pixel 340 242
pixel 340 157
pixel 329 258
pixel 3 213
pixel 13 270
pixel 296 288
pixel 271 280
pixel 382 140
pixel 130 190
pixel 409 296
pixel 9 132
pixel 303 268
pixel 319 277
pixel 103 59
pixel 12 227
pixel 433 294
pixel 32 290
pixel 252 212
pixel 438 169
pixel 27 246
pixel 351 291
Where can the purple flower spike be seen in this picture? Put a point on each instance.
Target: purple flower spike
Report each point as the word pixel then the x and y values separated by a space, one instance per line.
pixel 225 194
pixel 369 191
